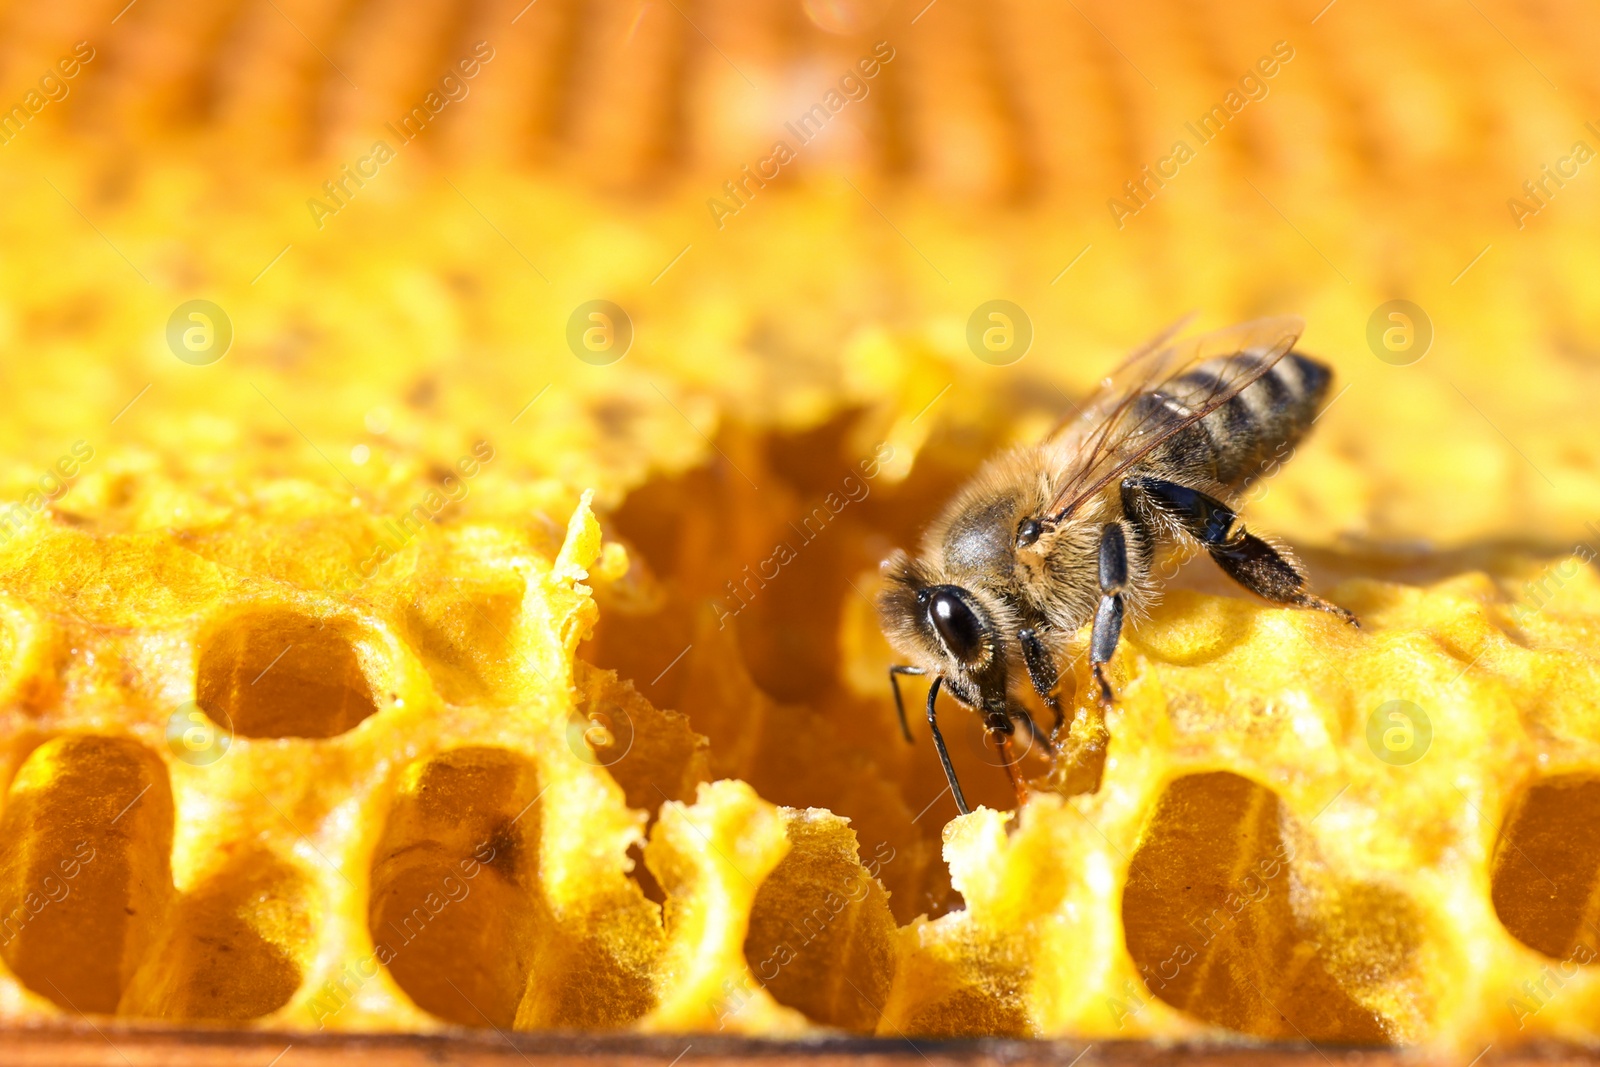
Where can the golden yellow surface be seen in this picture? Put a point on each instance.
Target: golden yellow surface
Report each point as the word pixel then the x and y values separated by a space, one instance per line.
pixel 550 692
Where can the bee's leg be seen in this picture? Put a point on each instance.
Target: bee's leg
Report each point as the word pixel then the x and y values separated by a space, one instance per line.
pixel 1034 732
pixel 899 705
pixel 1042 672
pixel 1263 570
pixel 1108 618
pixel 1000 731
pixel 944 753
pixel 1246 558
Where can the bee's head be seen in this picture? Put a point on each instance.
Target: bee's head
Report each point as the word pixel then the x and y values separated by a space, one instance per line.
pixel 944 628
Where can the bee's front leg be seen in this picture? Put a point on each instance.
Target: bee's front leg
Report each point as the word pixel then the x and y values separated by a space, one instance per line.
pixel 1000 732
pixel 899 705
pixel 1108 618
pixel 1036 734
pixel 1042 672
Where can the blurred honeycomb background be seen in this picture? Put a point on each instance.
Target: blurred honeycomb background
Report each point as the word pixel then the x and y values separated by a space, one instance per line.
pixel 331 700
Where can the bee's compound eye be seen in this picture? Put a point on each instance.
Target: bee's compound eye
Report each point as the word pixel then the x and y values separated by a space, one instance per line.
pixel 958 627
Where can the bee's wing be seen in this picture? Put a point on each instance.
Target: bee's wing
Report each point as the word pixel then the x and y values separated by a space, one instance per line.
pixel 1110 435
pixel 1138 364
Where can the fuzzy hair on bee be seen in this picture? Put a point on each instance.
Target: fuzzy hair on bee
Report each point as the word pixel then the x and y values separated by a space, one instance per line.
pixel 1046 539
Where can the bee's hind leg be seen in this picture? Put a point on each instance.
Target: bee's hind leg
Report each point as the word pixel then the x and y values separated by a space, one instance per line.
pixel 1246 558
pixel 1263 570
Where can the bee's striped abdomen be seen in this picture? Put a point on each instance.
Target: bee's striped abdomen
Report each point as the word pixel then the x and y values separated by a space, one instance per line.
pixel 1250 435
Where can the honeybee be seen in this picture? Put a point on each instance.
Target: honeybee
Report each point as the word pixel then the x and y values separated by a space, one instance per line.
pixel 1046 538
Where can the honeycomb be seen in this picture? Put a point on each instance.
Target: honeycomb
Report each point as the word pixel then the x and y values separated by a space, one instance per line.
pixel 374 656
